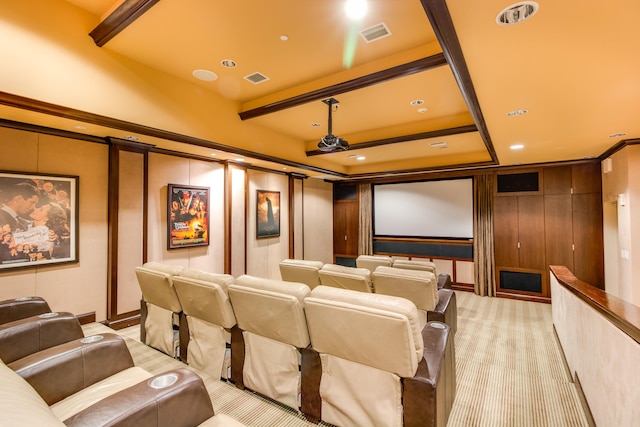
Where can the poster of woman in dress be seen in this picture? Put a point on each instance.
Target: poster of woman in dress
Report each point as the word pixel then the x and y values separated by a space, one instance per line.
pixel 188 216
pixel 38 219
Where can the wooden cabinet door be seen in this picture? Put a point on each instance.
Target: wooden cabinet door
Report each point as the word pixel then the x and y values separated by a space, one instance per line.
pixel 588 238
pixel 505 231
pixel 345 228
pixel 558 230
pixel 531 232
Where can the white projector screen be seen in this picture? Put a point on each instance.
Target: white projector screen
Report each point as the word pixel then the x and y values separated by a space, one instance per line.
pixel 442 209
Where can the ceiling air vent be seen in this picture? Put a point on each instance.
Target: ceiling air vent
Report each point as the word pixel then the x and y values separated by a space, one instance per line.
pixel 256 78
pixel 517 13
pixel 376 32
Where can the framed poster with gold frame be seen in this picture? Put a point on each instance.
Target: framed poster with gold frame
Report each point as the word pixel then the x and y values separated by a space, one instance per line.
pixel 187 216
pixel 267 214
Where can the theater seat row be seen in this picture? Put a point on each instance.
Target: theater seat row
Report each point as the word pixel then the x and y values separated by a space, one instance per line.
pixel 310 349
pixel 414 280
pixel 52 375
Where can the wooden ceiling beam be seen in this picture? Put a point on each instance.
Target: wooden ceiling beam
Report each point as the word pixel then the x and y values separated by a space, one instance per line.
pixel 119 19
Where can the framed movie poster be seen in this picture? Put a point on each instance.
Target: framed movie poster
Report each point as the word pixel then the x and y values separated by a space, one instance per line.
pixel 268 214
pixel 38 219
pixel 187 216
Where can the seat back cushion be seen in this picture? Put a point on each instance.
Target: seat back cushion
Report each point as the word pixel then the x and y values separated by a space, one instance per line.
pixel 20 404
pixel 370 262
pixel 380 331
pixel 271 308
pixel 221 279
pixel 204 300
pixel 22 307
pixel 301 271
pixel 157 287
pixel 339 276
pixel 418 286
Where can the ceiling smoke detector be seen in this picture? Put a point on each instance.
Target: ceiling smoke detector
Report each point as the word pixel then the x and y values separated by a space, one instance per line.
pixel 331 143
pixel 517 13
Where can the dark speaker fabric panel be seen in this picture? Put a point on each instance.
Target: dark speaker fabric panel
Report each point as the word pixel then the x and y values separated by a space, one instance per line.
pixel 345 192
pixel 347 262
pixel 518 281
pixel 518 182
pixel 439 250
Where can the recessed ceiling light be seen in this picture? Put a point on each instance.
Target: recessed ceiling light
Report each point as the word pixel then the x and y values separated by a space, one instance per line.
pixel 617 135
pixel 361 158
pixel 517 13
pixel 517 146
pixel 239 159
pixel 131 138
pixel 80 127
pixel 229 63
pixel 438 144
pixel 417 102
pixel 351 156
pixel 423 110
pixel 515 113
pixel 214 154
pixel 356 9
pixel 315 125
pixel 205 75
pixel 284 37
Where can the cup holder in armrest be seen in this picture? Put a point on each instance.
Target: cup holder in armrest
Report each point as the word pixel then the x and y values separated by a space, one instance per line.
pixel 163 381
pixel 437 325
pixel 90 339
pixel 48 315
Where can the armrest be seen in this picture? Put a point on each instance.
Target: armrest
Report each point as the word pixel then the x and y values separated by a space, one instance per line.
pixel 427 397
pixel 20 308
pixel 444 281
pixel 26 336
pixel 178 399
pixel 60 371
pixel 446 311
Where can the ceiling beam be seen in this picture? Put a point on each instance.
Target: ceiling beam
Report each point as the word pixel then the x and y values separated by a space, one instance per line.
pixel 438 14
pixel 405 138
pixel 119 19
pixel 403 70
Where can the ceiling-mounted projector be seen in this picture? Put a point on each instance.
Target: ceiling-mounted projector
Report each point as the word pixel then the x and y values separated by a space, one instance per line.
pixel 330 142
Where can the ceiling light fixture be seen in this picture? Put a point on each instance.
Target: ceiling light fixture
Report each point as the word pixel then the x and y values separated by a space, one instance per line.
pixel 361 158
pixel 422 110
pixel 517 13
pixel 617 135
pixel 515 113
pixel 417 102
pixel 356 9
pixel 131 138
pixel 205 75
pixel 330 143
pixel 517 146
pixel 229 63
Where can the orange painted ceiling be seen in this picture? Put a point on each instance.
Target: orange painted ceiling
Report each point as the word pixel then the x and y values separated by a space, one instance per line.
pixel 573 66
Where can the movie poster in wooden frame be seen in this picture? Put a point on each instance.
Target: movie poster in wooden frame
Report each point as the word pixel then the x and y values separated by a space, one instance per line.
pixel 267 214
pixel 187 216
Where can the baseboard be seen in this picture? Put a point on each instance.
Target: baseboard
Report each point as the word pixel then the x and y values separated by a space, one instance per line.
pixel 567 370
pixel 583 401
pixel 86 318
pixel 124 322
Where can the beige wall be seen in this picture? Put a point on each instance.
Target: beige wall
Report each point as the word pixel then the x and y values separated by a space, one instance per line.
pixel 604 358
pixel 318 220
pixel 621 209
pixel 80 287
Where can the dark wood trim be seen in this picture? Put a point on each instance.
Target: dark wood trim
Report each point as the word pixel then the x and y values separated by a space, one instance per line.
pixel 125 320
pixel 440 19
pixel 247 199
pixel 403 70
pixel 50 131
pixel 624 315
pixel 16 101
pixel 112 220
pixel 119 19
pixel 404 138
pixel 86 318
pixel 619 146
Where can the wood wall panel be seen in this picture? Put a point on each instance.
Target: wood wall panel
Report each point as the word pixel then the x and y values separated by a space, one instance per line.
pixel 589 246
pixel 531 231
pixel 558 230
pixel 557 180
pixel 505 226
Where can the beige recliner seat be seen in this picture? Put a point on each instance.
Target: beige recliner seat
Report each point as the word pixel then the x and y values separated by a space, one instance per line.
pixel 417 286
pixel 272 328
pixel 340 276
pixel 378 368
pixel 370 262
pixel 415 264
pixel 301 271
pixel 160 307
pixel 205 329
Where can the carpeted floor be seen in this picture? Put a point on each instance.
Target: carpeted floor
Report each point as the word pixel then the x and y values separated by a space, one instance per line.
pixel 510 371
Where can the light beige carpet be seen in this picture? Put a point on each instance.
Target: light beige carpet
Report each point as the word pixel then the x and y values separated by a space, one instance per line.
pixel 510 371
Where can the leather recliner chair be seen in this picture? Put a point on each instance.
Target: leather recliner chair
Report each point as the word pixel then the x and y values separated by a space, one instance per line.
pixel 160 307
pixel 205 328
pixel 19 308
pixel 377 367
pixel 271 331
pixel 371 262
